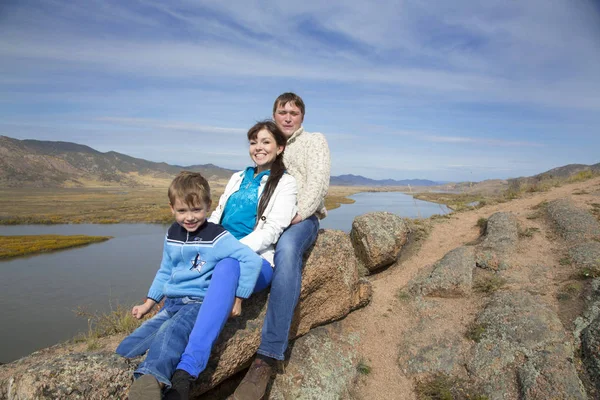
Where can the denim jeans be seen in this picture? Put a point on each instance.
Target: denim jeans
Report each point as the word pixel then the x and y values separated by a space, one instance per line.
pixel 164 336
pixel 215 311
pixel 285 286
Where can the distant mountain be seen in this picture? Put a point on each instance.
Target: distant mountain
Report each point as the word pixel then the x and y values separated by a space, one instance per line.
pixel 357 180
pixel 567 170
pixel 37 163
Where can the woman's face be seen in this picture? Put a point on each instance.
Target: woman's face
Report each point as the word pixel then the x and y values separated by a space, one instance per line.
pixel 264 150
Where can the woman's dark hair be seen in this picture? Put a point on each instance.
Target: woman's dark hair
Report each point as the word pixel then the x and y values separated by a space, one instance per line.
pixel 277 168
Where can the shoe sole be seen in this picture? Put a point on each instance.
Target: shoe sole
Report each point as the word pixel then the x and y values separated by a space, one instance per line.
pixel 146 387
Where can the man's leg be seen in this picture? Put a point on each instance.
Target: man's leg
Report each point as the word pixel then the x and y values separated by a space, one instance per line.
pixel 285 286
pixel 285 291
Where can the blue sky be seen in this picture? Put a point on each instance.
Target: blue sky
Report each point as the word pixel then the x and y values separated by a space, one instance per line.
pixel 460 90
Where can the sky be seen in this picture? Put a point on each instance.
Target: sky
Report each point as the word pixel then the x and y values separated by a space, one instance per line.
pixel 442 90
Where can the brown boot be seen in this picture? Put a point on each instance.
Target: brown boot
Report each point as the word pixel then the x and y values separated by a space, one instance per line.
pixel 254 384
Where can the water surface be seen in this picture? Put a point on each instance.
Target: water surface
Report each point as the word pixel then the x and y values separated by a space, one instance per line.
pixel 41 292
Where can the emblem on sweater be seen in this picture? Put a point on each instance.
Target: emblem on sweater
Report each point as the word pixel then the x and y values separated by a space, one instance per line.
pixel 197 263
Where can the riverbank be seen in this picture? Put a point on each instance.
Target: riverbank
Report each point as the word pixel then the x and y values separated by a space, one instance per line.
pixel 111 205
pixel 16 246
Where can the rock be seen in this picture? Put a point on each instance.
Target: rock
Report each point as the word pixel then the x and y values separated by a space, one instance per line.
pixel 573 224
pixel 378 238
pixel 44 375
pixel 452 276
pixel 502 235
pixel 590 351
pixel 330 290
pixel 444 354
pixel 323 365
pixel 521 337
pixel 586 255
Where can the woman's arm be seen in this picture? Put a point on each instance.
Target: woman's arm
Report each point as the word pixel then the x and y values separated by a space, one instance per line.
pixel 280 211
pixel 216 215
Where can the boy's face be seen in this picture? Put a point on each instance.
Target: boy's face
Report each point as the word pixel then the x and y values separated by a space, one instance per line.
pixel 288 118
pixel 189 217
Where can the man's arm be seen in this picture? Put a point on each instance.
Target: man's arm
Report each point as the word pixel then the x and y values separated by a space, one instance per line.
pixel 316 182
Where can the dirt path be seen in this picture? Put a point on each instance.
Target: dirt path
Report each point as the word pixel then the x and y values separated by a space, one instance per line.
pixel 384 322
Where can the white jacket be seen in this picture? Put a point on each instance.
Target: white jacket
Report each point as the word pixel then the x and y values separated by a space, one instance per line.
pixel 277 216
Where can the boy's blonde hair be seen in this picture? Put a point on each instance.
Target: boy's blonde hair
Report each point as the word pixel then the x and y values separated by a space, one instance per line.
pixel 191 188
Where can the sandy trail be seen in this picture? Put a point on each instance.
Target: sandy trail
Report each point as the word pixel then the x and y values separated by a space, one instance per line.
pixel 384 321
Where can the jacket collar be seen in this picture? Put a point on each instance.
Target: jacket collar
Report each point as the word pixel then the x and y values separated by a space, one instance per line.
pixel 296 134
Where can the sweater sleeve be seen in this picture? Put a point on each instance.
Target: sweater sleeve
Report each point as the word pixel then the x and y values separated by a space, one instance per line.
pixel 317 180
pixel 250 263
pixel 156 291
pixel 279 217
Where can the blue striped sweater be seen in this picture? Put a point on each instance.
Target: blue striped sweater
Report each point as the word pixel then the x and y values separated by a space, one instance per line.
pixel 189 259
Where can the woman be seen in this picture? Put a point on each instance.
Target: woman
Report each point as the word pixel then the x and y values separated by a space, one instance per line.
pixel 257 205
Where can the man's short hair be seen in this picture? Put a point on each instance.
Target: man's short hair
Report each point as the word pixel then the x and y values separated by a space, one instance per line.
pixel 289 97
pixel 191 188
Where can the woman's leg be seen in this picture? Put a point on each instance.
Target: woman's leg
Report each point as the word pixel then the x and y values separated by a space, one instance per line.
pixel 285 287
pixel 213 314
pixel 264 278
pixel 215 311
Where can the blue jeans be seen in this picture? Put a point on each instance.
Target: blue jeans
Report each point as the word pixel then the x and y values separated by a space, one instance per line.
pixel 285 287
pixel 199 321
pixel 215 311
pixel 164 336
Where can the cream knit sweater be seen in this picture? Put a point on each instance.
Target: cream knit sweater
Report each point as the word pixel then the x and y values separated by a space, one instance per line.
pixel 306 158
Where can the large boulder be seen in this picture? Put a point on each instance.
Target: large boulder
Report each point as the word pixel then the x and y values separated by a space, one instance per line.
pixel 378 238
pixel 452 276
pixel 330 290
pixel 323 365
pixel 573 224
pixel 522 337
pixel 501 237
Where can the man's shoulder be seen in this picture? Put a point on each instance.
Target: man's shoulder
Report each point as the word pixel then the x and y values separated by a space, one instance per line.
pixel 316 138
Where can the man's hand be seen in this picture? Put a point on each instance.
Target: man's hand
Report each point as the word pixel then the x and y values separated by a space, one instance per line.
pixel 142 309
pixel 236 311
pixel 296 219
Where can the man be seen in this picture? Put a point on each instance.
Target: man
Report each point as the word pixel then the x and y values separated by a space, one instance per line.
pixel 307 159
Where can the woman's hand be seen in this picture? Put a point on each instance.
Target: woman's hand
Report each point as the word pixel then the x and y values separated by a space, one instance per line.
pixel 143 309
pixel 236 311
pixel 297 218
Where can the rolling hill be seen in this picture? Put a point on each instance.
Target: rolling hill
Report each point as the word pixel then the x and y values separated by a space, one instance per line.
pixel 35 163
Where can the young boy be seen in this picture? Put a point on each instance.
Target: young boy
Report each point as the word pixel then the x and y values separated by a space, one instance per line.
pixel 192 248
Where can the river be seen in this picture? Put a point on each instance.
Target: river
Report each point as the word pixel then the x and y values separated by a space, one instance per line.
pixel 41 292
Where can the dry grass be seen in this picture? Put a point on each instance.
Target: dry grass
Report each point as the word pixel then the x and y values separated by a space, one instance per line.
pixel 118 320
pixel 15 246
pixel 458 201
pixel 110 205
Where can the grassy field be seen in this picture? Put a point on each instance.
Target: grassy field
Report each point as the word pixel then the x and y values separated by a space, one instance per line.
pixel 109 205
pixel 15 246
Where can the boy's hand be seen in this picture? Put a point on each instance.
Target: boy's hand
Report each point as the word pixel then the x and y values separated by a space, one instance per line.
pixel 142 309
pixel 236 311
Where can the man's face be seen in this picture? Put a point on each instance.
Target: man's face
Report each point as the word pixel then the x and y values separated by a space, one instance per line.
pixel 288 118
